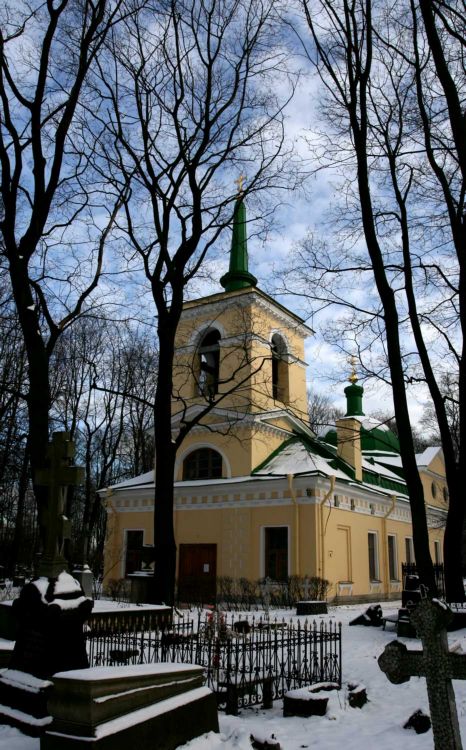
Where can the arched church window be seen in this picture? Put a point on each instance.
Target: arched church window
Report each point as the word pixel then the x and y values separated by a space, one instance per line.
pixel 203 463
pixel 279 369
pixel 209 363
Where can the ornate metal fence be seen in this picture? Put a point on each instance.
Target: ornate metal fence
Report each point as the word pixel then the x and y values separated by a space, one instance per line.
pixel 246 656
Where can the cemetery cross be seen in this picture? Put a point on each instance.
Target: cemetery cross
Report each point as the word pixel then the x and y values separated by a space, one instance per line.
pixel 436 663
pixel 55 527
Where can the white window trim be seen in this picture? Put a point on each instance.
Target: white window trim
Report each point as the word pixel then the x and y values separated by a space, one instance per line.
pixel 411 549
pixel 195 447
pixel 393 536
pixel 262 546
pixel 377 558
pixel 199 333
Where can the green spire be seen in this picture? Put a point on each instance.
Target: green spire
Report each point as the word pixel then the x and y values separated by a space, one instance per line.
pixel 238 276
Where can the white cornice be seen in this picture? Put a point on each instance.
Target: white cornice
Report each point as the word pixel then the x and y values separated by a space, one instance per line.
pixel 230 418
pixel 218 304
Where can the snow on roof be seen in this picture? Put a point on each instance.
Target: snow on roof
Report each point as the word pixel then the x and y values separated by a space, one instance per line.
pixel 141 479
pixel 295 458
pixel 391 460
pixel 422 459
pixel 379 468
pixel 138 483
pixel 427 456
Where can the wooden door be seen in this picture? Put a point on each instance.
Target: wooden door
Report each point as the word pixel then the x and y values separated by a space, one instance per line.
pixel 343 555
pixel 197 572
pixel 134 541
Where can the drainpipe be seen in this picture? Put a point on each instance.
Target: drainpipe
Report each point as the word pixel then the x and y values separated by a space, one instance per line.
pixel 290 478
pixel 106 503
pixel 322 535
pixel 385 544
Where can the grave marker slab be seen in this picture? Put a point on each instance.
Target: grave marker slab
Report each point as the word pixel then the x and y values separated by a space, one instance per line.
pixel 115 708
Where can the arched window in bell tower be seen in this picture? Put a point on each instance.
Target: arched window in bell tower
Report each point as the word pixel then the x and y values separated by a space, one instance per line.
pixel 279 369
pixel 203 463
pixel 209 363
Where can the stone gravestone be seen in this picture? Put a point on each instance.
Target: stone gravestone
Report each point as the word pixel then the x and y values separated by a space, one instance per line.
pixel 52 608
pixel 266 587
pixel 55 527
pixel 436 663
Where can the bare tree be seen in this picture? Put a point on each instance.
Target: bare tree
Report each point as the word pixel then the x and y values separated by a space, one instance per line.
pixel 394 87
pixel 450 393
pixel 193 100
pixel 111 425
pixel 322 412
pixel 14 457
pixel 52 239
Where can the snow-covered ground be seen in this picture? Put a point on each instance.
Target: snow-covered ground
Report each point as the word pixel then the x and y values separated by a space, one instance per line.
pixel 378 725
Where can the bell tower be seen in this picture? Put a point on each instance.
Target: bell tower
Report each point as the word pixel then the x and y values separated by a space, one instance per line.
pixel 239 363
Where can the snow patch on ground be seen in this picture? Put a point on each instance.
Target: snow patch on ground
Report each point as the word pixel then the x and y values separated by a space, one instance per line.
pixel 379 724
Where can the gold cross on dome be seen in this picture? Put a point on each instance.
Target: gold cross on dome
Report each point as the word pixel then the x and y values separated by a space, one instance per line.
pixel 240 182
pixel 353 378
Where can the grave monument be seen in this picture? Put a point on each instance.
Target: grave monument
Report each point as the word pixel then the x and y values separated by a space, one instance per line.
pixel 50 610
pixel 436 663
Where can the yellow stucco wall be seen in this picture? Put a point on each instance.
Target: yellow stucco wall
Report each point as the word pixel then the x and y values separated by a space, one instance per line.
pixel 246 322
pixel 329 540
pixel 434 484
pixel 341 554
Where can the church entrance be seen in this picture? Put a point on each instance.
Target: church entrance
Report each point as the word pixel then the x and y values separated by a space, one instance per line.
pixel 133 557
pixel 197 572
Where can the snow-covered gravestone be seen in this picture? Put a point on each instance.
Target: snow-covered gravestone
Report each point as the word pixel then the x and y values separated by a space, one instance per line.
pixel 51 609
pixel 436 663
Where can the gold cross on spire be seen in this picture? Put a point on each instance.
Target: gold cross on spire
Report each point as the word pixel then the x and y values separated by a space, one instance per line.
pixel 240 182
pixel 353 378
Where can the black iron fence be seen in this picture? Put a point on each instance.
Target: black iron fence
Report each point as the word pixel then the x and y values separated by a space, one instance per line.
pixel 410 569
pixel 248 659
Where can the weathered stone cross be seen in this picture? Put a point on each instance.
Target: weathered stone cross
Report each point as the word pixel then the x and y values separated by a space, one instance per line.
pixel 436 664
pixel 54 525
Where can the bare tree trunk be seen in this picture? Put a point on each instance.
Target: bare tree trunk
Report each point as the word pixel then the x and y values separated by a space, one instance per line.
pixel 16 547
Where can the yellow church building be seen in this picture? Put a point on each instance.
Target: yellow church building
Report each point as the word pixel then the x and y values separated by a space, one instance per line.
pixel 257 493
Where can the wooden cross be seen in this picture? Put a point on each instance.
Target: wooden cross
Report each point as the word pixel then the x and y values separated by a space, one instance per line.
pixel 240 182
pixel 55 527
pixel 436 663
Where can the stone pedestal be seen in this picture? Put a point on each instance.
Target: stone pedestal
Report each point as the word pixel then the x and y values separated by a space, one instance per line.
pixel 116 708
pixel 141 584
pixel 86 578
pixel 308 701
pixel 8 624
pixel 50 614
pixel 6 649
pixel 23 700
pixel 404 628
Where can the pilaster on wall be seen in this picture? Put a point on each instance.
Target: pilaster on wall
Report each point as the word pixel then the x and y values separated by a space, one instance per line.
pixel 349 444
